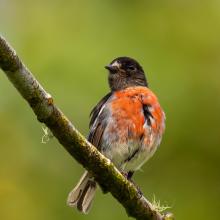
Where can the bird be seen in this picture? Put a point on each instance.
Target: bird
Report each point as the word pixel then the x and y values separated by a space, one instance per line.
pixel 126 126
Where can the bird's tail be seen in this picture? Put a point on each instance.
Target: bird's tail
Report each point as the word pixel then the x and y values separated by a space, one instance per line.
pixel 82 195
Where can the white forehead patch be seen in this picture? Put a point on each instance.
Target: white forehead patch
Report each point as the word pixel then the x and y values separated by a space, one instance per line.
pixel 116 63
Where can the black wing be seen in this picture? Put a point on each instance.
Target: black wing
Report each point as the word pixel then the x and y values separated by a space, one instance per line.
pixel 95 111
pixel 97 127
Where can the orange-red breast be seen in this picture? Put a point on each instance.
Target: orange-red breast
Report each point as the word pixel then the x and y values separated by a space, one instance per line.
pixel 126 126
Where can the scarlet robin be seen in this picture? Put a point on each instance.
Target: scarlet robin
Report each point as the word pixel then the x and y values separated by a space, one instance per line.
pixel 126 126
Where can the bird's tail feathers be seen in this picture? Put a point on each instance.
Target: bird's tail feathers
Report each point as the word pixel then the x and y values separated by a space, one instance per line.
pixel 82 195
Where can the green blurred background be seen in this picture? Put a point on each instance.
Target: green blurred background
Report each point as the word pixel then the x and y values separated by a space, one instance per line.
pixel 66 45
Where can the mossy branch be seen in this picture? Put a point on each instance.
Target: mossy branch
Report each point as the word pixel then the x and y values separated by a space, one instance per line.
pixel 105 173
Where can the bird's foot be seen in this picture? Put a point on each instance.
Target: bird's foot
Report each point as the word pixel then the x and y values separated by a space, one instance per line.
pixel 128 176
pixel 137 187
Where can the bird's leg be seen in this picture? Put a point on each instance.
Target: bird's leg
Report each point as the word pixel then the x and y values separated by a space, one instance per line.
pixel 129 175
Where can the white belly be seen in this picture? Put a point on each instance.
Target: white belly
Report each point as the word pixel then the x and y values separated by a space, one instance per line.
pixel 139 159
pixel 129 156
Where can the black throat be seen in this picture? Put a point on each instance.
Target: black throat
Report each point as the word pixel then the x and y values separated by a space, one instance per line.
pixel 122 81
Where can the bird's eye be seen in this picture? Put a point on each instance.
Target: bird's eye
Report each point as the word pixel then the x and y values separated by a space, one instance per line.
pixel 131 68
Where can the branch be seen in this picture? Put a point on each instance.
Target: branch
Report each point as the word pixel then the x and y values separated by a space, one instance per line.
pixel 105 173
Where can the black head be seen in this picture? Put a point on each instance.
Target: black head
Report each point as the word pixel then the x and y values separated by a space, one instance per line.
pixel 125 72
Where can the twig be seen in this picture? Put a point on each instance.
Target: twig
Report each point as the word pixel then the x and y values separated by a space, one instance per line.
pixel 105 173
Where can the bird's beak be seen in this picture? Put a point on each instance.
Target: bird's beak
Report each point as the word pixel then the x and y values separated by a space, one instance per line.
pixel 112 69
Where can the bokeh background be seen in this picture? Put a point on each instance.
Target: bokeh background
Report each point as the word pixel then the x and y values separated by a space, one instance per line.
pixel 66 45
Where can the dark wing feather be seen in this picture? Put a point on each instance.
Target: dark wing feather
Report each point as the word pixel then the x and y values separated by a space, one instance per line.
pixel 95 111
pixel 97 127
pixel 95 135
